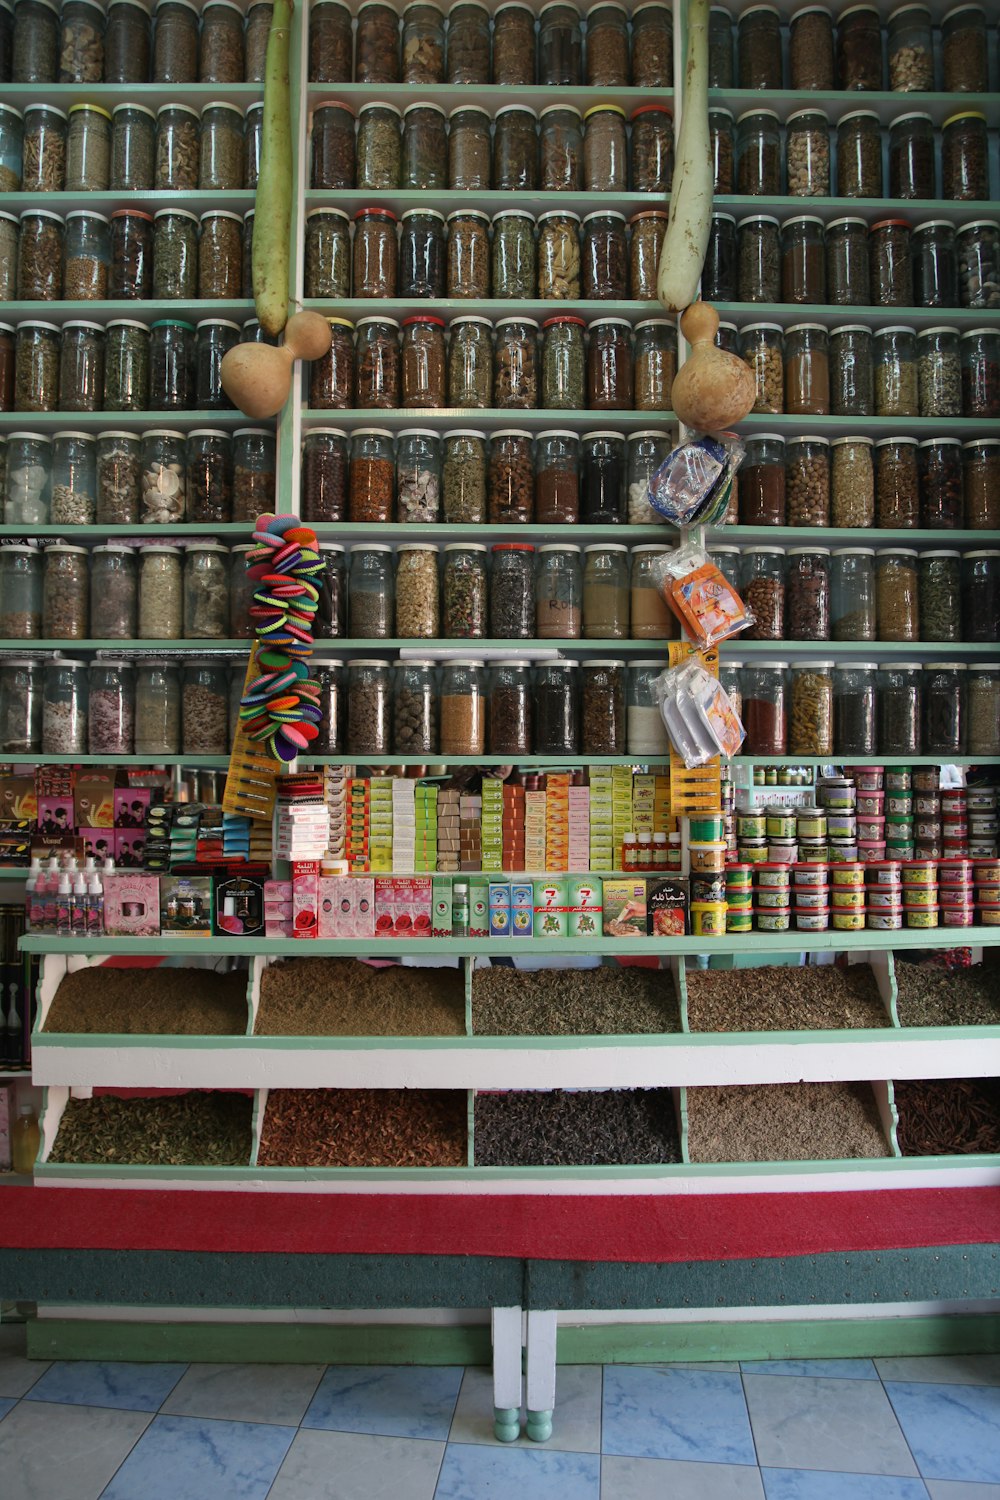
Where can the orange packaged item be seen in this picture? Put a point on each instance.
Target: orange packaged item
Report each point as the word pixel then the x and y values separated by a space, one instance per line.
pixel 701 597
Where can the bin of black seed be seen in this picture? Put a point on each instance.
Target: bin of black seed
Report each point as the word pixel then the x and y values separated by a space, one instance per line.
pixel 609 1001
pixel 784 1122
pixel 589 1128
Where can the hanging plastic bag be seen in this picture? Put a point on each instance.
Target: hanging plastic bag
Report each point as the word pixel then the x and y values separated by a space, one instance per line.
pixel 700 595
pixel 692 484
pixel 698 713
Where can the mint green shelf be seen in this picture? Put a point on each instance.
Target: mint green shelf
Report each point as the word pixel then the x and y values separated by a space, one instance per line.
pixel 191 647
pixel 920 427
pixel 237 531
pixel 462 646
pixel 488 419
pixel 180 421
pixel 198 762
pixel 57 312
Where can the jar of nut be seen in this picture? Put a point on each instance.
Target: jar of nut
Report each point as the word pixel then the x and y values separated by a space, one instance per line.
pixel 911 49
pixel 761 349
pixel 808 593
pixel 417 612
pixel 415 708
pixel 896 592
pixel 852 475
pixel 764 592
pixel 807 154
pixel 811 728
pixel 897 484
pixel 807 481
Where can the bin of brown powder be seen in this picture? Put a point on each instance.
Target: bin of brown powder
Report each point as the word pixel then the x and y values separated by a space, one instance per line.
pixel 784 1122
pixel 150 1002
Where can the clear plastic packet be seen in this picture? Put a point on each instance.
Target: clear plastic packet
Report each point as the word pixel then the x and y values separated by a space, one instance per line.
pixel 701 597
pixel 692 484
pixel 697 713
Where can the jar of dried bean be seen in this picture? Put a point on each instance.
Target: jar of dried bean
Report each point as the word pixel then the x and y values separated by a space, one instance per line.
pixel 422 253
pixel 44 149
pixel 175 42
pixel 603 707
pixel 515 149
pixel 762 481
pixel 758 153
pixel 652 149
pixel 468 55
pixel 604 473
pixel 81 366
pixel 514 254
pixel 897 584
pixel 514 44
pixel 253 472
pixel 721 137
pixel 852 593
pixel 133 148
pixel 466 597
pixel 655 364
pixel 36 367
pixel 807 481
pixel 764 592
pixel 561 146
pixel 379 147
pixel 209 476
pixel 376 363
pixel 609 365
pixel 511 479
pixel 810 49
pixel 425 147
pixel 964 50
pixel 65 593
pixel 560 45
pixel 178 130
pixel 74 479
pixel 859 48
pixel 422 361
pixel 558 255
pixel 469 148
pixel 911 50
pixel 981 373
pixel 854 708
pixel 468 266
pixel 759 274
pixel 981 473
pixel 372 476
pixel 807 370
pixel 171 365
pixel 939 462
pixel 649 229
pixel 557 478
pixel 808 594
pixel 646 452
pixel 607 45
pixel 331 377
pixel 758 48
pixel 127 42
pixel 939 377
pixel 464 477
pixel 852 475
pixel 512 591
pixel 376 254
pixel 851 393
pixel 965 157
pixel 896 387
pixel 848 279
pixel 803 261
pixel 21 588
pixel 64 705
pixel 605 257
pixel 377 53
pixel 160 594
pixel 761 346
pixel 175 254
pixel 940 590
pixel 558 593
pixel 40 256
pixel 935 265
pixel 943 709
pixel 605 592
pixel 811 729
pixel 653 46
pixel 980 597
pixel 807 153
pixel 982 708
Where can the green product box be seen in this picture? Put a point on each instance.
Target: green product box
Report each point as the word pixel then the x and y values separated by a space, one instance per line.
pixel 550 907
pixel 479 912
pixel 441 914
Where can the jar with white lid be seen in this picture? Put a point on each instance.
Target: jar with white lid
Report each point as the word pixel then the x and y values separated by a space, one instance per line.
pixel 164 476
pixel 44 149
pixel 127 42
pixel 415 708
pixel 370 595
pixel 20 705
pixel 811 726
pixel 220 51
pixel 114 593
pixel 111 712
pixel 221 165
pixel 944 708
pixel 645 730
pixel 161 594
pixel 157 709
pixel 469 149
pixel 20 592
pixel 603 712
pixel 854 708
pixel 463 708
pixel 119 478
pixel 65 593
pixel 465 589
pixel 650 618
pixel 853 593
pixel 911 49
pixel 379 146
pixel 417 591
pixel 606 591
pixel 205 709
pixel 206 591
pixel 559 592
pixel 64 707
pixel 464 477
pixel 509 709
pixel 899 708
pixel 852 482
pixel 982 708
pixel 646 452
pixel 74 479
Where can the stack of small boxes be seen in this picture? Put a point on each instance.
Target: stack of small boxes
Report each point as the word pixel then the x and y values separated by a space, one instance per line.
pixel 557 822
pixel 492 824
pixel 602 844
pixel 534 826
pixel 404 825
pixel 357 826
pixel 513 828
pixel 381 805
pixel 449 842
pixel 425 852
pixel 470 831
pixel 578 849
pixel 335 796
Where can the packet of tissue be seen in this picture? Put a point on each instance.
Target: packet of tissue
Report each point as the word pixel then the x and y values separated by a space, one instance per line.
pixel 692 484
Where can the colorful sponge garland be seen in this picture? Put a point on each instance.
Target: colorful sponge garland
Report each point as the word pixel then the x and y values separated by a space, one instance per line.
pixel 281 706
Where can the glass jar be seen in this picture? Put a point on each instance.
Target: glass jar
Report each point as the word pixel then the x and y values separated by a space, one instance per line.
pixel 939 376
pixel 329 673
pixel 40 258
pixel 980 597
pixel 606 591
pixel 178 129
pixel 852 475
pixel 175 42
pixel 604 256
pixel 423 43
pixel 220 256
pixel 808 594
pixel 327 253
pixel 127 42
pixel 607 45
pixel 417 606
pixel 468 263
pixel 721 74
pixel 370 592
pixel 561 149
pixel 761 348
pixel 859 155
pixel 556 708
pixel 898 708
pixel 964 50
pixel 851 393
pixel 762 481
pixel 376 58
pixel 646 452
pixel 940 592
pixel 65 593
pixel 36 367
pixel 372 476
pixel 559 599
pixel 376 254
pixel 653 46
pixel 911 157
pixel 171 365
pixel 161 594
pixel 514 44
pixel 332 378
pixel 253 472
pixel 763 590
pixel 164 476
pixel 515 363
pixel 20 706
pixel 758 153
pixel 603 709
pixel 807 370
pixel 11 148
pixel 897 485
pixel 81 366
pixel 896 585
pixel 765 711
pixel 803 261
pixel 609 365
pixel 514 255
pixel 655 364
pixel 74 479
pixel 332 145
pixel 468 56
pixel 758 48
pixel 205 709
pixel 854 709
pixel 939 462
pixel 175 254
pixel 464 477
pixel 943 709
pixel 422 361
pixel 511 478
pixel 859 48
pixel 978 264
pixel 811 729
pixel 21 591
pixel 119 478
pixel 469 148
pixel 649 230
pixel 44 149
pixel 515 149
pixel 330 620
pixel 646 733
pixel 209 476
pixel 221 161
pixel 87 256
pixel 810 49
pixel 560 45
pixel 605 150
pixel 512 591
pixel 965 174
pixel 604 488
pixel 982 709
pixel 509 709
pixel 981 483
pixel 324 474
pixel 980 365
pixel 133 148
pixel 721 145
pixel 891 263
pixel 557 478
pixel 379 147
pixel 376 363
pixel 415 709
pixel 718 275
pixel 425 147
pixel 852 581
pixel 652 149
pixel 418 476
pixel 470 362
pixel 206 591
pixel 465 589
pixel 35 47
pixel 911 49
pixel 558 255
pixel 759 276
pixel 463 708
pixel 64 707
pixel 650 618
pixel 88 149
pixel 220 53
pixel 896 388
pixel 331 43
pixel 848 279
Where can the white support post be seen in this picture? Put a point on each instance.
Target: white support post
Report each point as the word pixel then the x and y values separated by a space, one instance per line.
pixel 541 1381
pixel 505 1325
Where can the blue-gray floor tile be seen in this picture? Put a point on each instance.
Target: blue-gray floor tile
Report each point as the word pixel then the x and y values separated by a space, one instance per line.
pixel 814 1484
pixel 245 1393
pixel 942 1369
pixel 805 1422
pixel 127 1387
pixel 366 1467
pixel 832 1369
pixel 475 1472
pixel 6 1405
pixel 660 1478
pixel 396 1401
pixel 953 1430
pixel 655 1412
pixel 64 1452
pixel 184 1458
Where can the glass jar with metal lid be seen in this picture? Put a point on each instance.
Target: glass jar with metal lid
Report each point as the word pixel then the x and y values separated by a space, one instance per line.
pixel 559 600
pixel 44 149
pixel 11 148
pixel 468 263
pixel 221 165
pixel 376 253
pixel 721 144
pixel 332 143
pixel 511 478
pixel 759 269
pixel 939 377
pixel 898 708
pixel 980 597
pixel 851 393
pixel 604 470
pixel 379 147
pixel 515 149
pixel 127 42
pixel 803 260
pixel 418 476
pixel 653 46
pixel 603 711
pixel 848 279
pixel 655 364
pixel 981 483
pixel 175 42
pixel 606 591
pixel 896 386
pixel 515 363
pixel 964 50
pixel 415 708
pixel 760 346
pixel 646 452
pixel 645 731
pixel 935 264
pixel 21 592
pixel 509 709
pixel 560 45
pixel 557 478
pixel 64 707
pixel 763 589
pixel 557 708
pixel 65 593
pixel 650 618
pixel 468 54
pixel 718 275
pixel 376 363
pixel 859 48
pixel 852 581
pixel 423 43
pixel 940 591
pixel 425 147
pixel 220 51
pixel 604 256
pixel 512 591
pixel 88 149
pixel 810 49
pixel 807 370
pixel 762 480
pixel 81 366
pixel 372 475
pixel 377 47
pixel 175 254
pixel 758 48
pixel 807 154
pixel 331 378
pixel 464 477
pixel 20 705
pixel 161 594
pixel 980 364
pixel 133 148
pixel 370 594
pixel 852 475
pixel 648 231
pixel 36 367
pixel 463 708
pixel 40 257
pixel 939 463
pixel 514 44
pixel 119 474
pixel 897 485
pixel 944 708
pixel 558 255
pixel 859 155
pixel 422 253
pixel 470 362
pixel 561 149
pixel 965 172
pixel 74 479
pixel 469 148
pixel 206 591
pixel 911 49
pixel 807 593
pixel 324 474
pixel 254 453
pixel 178 130
pixel 758 153
pixel 514 254
pixel 209 475
pixel 422 361
pixel 811 728
pixel 607 45
pixel 652 149
pixel 171 365
pixel 897 594
pixel 465 590
pixel 220 256
pixel 854 708
pixel 417 593
pixel 982 708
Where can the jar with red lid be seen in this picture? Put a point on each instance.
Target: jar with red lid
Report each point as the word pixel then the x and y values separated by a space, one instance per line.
pixel 652 149
pixel 376 253
pixel 609 365
pixel 423 361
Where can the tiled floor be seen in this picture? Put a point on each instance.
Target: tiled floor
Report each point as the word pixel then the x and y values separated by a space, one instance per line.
pixel 852 1429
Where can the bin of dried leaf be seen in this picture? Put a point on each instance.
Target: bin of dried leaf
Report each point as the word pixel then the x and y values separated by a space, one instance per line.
pixel 197 1129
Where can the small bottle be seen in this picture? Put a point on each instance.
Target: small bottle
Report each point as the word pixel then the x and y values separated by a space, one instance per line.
pixel 78 910
pixel 460 909
pixel 30 884
pixel 95 906
pixel 661 858
pixel 645 851
pixel 630 852
pixel 25 1138
pixel 64 905
pixel 50 892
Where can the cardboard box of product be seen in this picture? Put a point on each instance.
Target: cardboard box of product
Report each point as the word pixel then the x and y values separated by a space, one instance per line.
pixel 667 907
pixel 624 903
pixel 186 905
pixel 94 798
pixel 131 905
pixel 550 912
pixel 238 905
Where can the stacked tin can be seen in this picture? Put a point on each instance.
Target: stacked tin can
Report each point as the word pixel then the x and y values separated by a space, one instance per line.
pixel 982 805
pixel 772 897
pixel 812 895
pixel 927 823
pixel 899 825
pixel 838 795
pixel 884 894
pixel 955 892
pixel 870 783
pixel 986 879
pixel 847 896
pixel 920 893
pixel 739 898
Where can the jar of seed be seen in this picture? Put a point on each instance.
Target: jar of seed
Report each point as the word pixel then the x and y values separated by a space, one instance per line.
pixel 897 487
pixel 205 709
pixel 214 337
pixel 852 475
pixel 21 590
pixel 509 712
pixel 852 594
pixel 721 74
pixel 415 709
pixel 206 591
pixel 161 594
pixel 807 153
pixel 944 709
pixel 470 362
pixel 65 593
pixel 758 48
pixel 332 145
pixel 220 52
pixel 175 254
pixel 133 148
pixel 811 728
pixel 652 149
pixel 425 147
pixel 324 474
pixel 557 478
pixel 330 620
pixel 44 149
pixel 127 42
pixel 891 263
pixel 514 254
pixel 74 479
pixel 896 387
pixel 557 708
pixel 981 596
pixel 221 159
pixel 40 258
pixel 253 472
pixel 939 375
pixel 417 609
pixel 514 44
pixel 558 592
pixel 327 253
pixel 807 370
pixel 848 279
pixel 463 708
pixel 175 42
pixel 20 706
pixel 803 260
pixel 653 46
pixel 561 149
pixel 469 148
pixel 911 157
pixel 379 147
pixel 468 39
pixel 607 45
pixel 721 145
pixel 511 479
pixel 36 367
pixel 33 51
pixel 377 49
pixel 859 48
pixel 466 598
pixel 422 361
pixel 209 476
pixel 171 365
pixel 370 593
pixel 604 475
pixel 982 708
pixel 11 148
pixel 558 255
pixel 331 380
pixel 761 348
pixel 981 483
pixel 810 49
pixel 759 270
pixel 939 462
pixel 758 153
pixel 376 254
pixel 126 366
pixel 964 50
pixel 604 256
pixel 81 366
pixel 331 42
pixel 808 593
pixel 515 363
pixel 898 714
pixel 560 45
pixel 940 589
pixel 980 365
pixel 897 594
pixel 119 478
pixel 177 149
pixel 64 707
pixel 807 481
pixel 372 475
pixel 610 378
pixel 649 229
pixel 515 149
pixel 376 363
pixel 763 589
pixel 935 264
pixel 512 591
pixel 605 591
pixel 965 173
pixel 260 337
pixel 468 247
pixel 464 477
pixel 655 364
pixel 762 481
pixel 88 149
pixel 423 43
pixel 563 364
pixel 603 707
pixel 646 452
pixel 418 476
